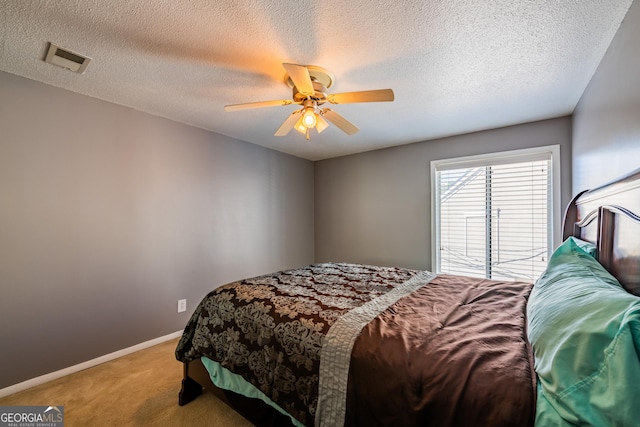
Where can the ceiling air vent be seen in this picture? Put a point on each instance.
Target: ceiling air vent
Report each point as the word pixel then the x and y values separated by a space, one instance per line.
pixel 64 58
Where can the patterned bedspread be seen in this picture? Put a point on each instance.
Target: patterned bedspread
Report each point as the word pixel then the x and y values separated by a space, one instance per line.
pixel 270 329
pixel 449 351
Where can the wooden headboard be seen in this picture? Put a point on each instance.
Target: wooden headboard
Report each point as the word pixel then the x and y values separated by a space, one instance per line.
pixel 609 217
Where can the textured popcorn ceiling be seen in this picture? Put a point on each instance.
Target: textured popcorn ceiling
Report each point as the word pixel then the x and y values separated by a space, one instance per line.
pixel 455 66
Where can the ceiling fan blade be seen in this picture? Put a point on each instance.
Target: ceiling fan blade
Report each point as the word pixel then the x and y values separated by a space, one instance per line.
pixel 345 125
pixel 300 77
pixel 260 104
pixel 288 124
pixel 379 95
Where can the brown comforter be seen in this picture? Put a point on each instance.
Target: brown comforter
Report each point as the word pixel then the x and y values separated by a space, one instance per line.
pixel 454 352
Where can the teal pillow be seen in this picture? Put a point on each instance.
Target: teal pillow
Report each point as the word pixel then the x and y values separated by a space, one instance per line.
pixel 587 247
pixel 585 332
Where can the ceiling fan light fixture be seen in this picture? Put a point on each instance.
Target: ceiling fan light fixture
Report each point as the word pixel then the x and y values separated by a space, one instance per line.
pixel 322 123
pixel 299 126
pixel 309 119
pixel 302 129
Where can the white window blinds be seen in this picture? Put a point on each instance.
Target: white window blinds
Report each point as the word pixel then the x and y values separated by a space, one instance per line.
pixel 493 217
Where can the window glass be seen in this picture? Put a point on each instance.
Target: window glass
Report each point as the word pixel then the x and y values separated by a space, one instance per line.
pixel 494 216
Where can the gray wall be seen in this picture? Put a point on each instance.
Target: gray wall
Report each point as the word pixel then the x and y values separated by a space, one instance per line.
pixel 108 216
pixel 606 123
pixel 375 207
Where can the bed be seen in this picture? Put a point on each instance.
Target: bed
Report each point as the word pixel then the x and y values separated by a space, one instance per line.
pixel 347 344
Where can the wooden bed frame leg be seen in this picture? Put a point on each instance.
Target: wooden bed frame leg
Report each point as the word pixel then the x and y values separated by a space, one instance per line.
pixel 190 390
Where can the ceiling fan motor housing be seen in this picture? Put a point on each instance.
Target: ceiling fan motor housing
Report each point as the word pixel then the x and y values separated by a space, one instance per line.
pixel 320 95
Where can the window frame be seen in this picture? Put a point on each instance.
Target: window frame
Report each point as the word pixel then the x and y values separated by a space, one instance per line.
pixel 489 159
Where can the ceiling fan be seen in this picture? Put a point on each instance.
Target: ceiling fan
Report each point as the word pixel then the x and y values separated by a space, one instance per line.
pixel 310 84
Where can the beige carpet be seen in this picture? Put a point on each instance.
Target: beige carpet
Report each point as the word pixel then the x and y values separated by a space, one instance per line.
pixel 140 389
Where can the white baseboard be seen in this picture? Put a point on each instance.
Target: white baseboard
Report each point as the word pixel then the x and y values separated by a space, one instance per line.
pixel 84 365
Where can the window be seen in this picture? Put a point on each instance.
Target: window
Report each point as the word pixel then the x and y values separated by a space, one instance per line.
pixel 493 214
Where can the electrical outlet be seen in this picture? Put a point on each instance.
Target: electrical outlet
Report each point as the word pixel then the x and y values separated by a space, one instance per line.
pixel 182 305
